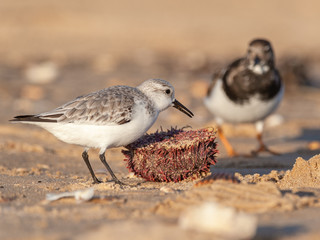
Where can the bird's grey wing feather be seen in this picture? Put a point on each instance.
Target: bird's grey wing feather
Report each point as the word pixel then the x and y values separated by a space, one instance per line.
pixel 109 106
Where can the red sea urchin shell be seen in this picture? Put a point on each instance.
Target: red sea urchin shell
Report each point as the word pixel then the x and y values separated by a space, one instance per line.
pixel 172 155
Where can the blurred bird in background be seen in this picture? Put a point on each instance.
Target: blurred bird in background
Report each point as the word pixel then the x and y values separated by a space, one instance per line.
pixel 247 91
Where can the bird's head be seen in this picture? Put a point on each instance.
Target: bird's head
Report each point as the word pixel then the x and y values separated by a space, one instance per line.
pixel 260 56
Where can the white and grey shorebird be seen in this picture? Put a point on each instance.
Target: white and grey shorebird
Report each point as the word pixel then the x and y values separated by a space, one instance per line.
pixel 247 91
pixel 112 117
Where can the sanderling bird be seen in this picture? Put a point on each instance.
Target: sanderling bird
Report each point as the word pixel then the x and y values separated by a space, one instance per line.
pixel 247 91
pixel 112 117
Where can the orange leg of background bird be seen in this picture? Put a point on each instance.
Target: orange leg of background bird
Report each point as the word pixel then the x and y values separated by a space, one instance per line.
pixel 226 143
pixel 262 147
pixel 261 143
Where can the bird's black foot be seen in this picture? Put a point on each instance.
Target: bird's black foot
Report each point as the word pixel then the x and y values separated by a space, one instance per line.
pixel 114 178
pixel 118 182
pixel 96 181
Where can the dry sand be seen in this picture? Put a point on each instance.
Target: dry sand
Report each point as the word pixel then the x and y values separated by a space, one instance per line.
pixel 53 52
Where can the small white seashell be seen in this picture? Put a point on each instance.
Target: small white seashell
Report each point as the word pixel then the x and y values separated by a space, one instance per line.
pixel 79 195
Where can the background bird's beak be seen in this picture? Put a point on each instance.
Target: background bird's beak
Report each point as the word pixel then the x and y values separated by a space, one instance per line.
pixel 256 61
pixel 182 108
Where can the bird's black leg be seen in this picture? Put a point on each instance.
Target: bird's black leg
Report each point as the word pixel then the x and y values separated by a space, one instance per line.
pixel 114 178
pixel 86 160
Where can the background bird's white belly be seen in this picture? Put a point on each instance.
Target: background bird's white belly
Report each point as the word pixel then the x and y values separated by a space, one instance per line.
pixel 251 111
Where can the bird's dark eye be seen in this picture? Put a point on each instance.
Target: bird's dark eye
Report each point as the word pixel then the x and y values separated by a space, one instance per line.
pixel 168 91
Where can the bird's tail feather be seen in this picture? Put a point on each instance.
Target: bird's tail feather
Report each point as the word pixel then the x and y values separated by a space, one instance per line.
pixel 32 118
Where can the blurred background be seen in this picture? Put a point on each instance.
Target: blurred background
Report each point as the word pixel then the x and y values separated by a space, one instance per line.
pixel 52 51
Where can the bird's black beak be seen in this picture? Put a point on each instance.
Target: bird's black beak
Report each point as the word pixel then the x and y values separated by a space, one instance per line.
pixel 256 61
pixel 179 106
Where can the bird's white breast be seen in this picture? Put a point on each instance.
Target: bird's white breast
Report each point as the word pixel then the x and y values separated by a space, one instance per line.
pixel 226 110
